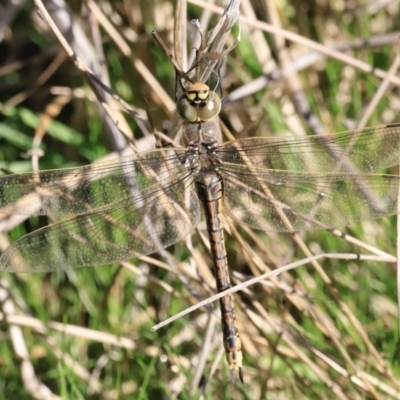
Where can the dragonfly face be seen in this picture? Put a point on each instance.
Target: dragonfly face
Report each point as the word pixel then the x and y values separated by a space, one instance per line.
pixel 199 107
pixel 198 103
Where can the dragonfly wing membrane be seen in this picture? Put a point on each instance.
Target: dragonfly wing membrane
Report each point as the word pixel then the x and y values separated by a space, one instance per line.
pixel 161 209
pixel 286 201
pixel 367 150
pixel 71 191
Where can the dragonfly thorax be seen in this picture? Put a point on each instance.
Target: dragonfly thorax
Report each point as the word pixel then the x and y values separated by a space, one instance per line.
pixel 204 155
pixel 198 103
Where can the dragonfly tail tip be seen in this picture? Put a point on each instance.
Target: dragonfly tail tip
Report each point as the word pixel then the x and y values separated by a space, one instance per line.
pixel 241 375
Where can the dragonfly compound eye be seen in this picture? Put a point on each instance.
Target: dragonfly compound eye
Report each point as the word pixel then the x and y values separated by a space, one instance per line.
pixel 210 108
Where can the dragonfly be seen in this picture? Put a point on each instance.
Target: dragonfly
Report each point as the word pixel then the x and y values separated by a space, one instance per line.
pixel 135 205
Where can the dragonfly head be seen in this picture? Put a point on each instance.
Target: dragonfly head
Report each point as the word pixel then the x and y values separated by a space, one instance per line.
pixel 198 103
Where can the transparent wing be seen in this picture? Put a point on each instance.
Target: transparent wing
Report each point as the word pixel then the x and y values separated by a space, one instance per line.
pixel 284 200
pixel 121 215
pixel 365 150
pixel 71 191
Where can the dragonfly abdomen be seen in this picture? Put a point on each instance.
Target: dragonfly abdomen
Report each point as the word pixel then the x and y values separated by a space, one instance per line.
pixel 209 187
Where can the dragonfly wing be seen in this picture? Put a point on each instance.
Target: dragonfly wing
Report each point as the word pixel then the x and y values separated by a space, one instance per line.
pixel 70 191
pixel 272 200
pixel 141 223
pixel 366 150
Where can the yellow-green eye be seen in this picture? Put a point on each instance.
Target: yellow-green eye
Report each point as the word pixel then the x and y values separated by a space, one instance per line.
pixel 185 109
pixel 210 108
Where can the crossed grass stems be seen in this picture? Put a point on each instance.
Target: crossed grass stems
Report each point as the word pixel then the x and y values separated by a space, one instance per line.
pixel 341 163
